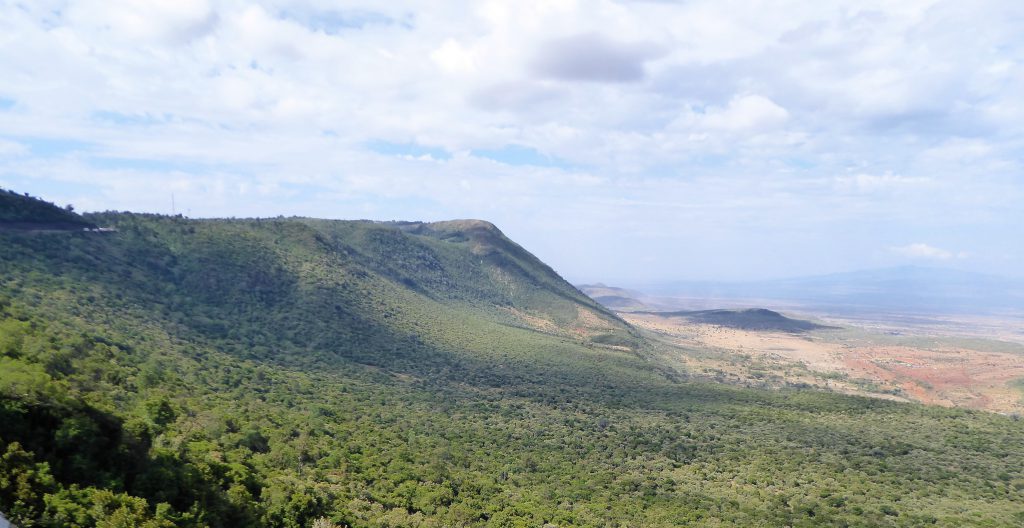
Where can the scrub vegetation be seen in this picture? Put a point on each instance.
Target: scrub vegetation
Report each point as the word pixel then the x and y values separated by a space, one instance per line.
pixel 297 372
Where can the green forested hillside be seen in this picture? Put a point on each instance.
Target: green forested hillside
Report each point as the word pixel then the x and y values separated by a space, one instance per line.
pixel 273 372
pixel 21 211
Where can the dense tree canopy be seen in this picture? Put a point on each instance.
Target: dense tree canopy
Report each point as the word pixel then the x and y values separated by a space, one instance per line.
pixel 296 373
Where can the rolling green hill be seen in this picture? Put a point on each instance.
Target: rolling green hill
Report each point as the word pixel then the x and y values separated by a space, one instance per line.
pixel 271 372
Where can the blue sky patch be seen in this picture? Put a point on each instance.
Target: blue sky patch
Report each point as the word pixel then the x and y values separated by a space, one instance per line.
pixel 117 118
pixel 47 189
pixel 520 155
pixel 53 147
pixel 336 21
pixel 144 164
pixel 407 149
pixel 800 163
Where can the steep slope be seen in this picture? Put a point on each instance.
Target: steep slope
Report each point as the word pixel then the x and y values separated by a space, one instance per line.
pixel 21 211
pixel 364 289
pixel 614 298
pixel 270 372
pixel 471 261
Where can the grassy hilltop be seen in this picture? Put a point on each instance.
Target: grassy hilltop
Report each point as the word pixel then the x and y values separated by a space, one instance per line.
pixel 272 372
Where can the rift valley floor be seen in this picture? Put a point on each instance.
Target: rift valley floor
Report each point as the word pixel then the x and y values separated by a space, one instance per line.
pixel 966 362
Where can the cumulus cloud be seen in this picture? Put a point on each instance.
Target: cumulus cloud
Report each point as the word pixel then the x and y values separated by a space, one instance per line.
pixel 921 250
pixel 593 57
pixel 747 128
pixel 747 112
pixel 515 95
pixel 453 57
pixel 743 116
pixel 170 21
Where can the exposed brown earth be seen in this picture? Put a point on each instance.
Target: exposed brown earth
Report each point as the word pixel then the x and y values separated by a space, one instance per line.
pixel 939 370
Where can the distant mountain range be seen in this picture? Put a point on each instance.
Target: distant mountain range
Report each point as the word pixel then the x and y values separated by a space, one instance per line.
pixel 907 289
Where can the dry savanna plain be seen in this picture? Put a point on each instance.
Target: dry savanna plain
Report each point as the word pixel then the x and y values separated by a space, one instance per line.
pixel 975 363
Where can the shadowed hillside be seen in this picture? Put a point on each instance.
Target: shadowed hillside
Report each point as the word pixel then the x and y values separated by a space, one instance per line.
pixel 273 372
pixel 751 319
pixel 21 211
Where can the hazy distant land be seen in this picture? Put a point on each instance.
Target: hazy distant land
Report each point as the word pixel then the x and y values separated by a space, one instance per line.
pixel 936 352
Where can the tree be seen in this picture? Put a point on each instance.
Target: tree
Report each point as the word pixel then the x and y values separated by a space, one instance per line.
pixel 323 522
pixel 23 482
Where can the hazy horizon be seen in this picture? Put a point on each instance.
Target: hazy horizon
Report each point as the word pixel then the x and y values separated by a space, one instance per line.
pixel 615 140
pixel 640 283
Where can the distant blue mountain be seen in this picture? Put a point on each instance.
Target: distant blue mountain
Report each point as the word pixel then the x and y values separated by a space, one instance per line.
pixel 908 289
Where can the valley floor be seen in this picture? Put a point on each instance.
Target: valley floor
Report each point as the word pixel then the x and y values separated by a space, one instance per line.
pixel 906 360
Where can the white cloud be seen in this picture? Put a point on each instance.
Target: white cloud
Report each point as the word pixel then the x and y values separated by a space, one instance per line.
pixel 851 117
pixel 173 21
pixel 747 113
pixel 745 120
pixel 866 183
pixel 12 149
pixel 958 150
pixel 921 250
pixel 593 57
pixel 453 57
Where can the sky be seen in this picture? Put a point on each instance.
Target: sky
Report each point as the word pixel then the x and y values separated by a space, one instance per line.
pixel 620 141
